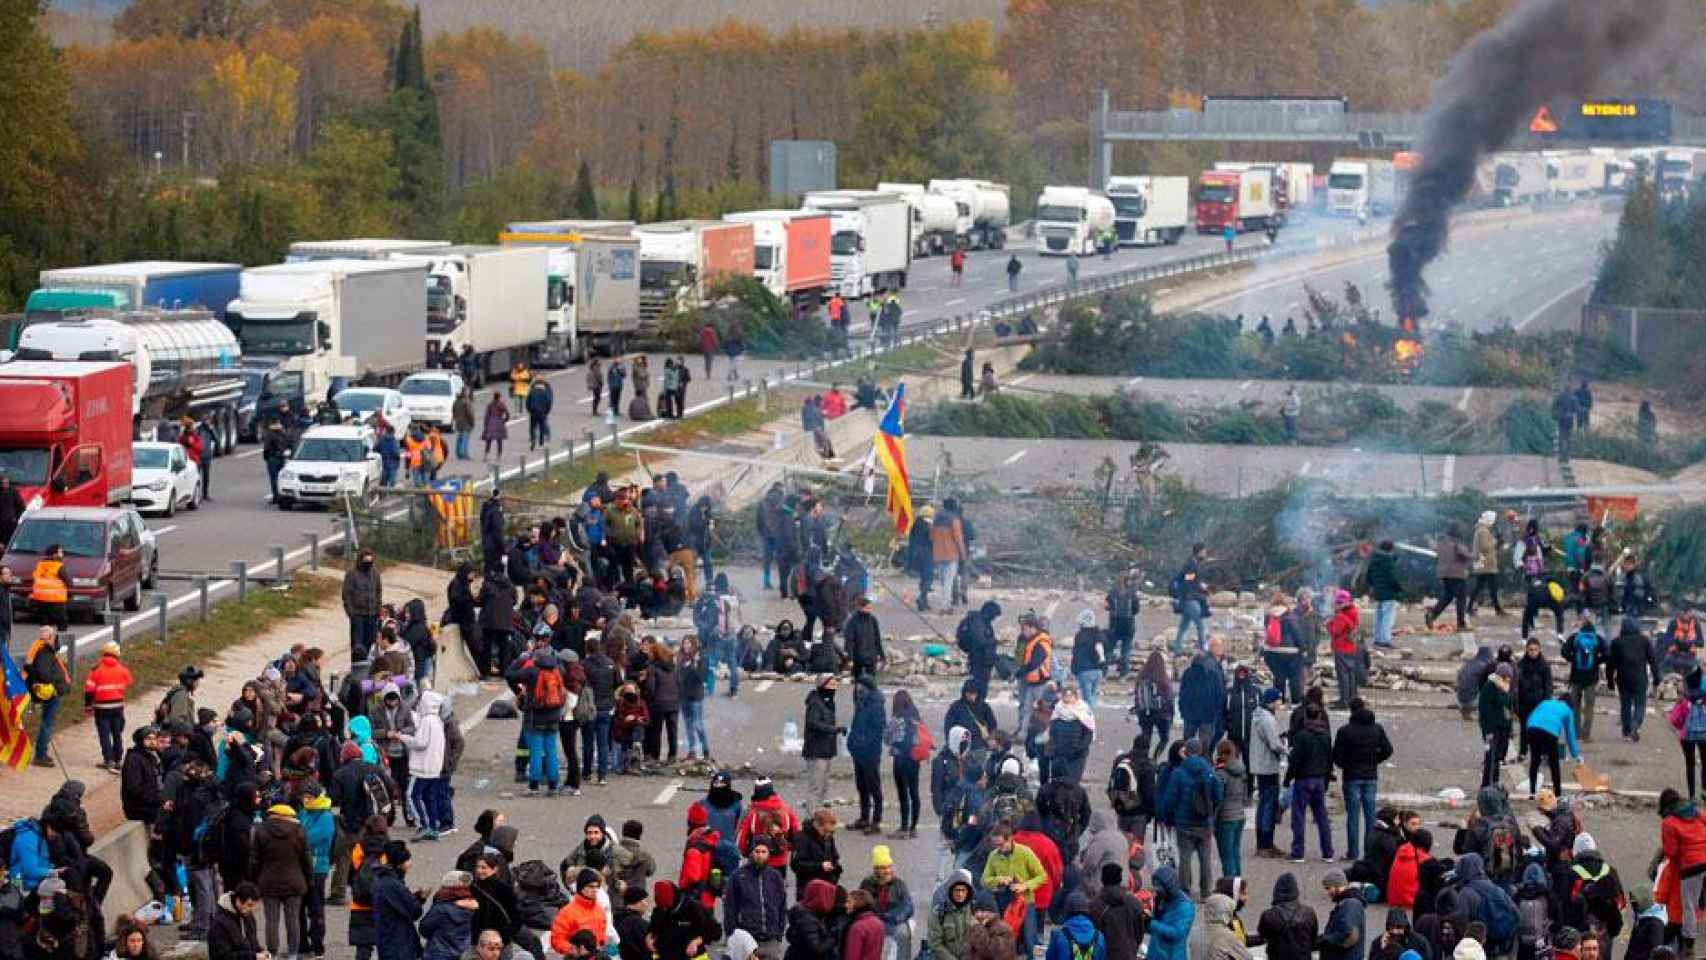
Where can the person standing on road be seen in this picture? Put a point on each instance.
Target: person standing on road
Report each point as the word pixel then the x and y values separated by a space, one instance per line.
pixel 1384 589
pixel 1202 697
pixel 495 428
pixel 1550 725
pixel 1036 668
pixel 1122 605
pixel 1190 599
pixel 1533 686
pixel 1493 711
pixel 966 376
pixel 1088 660
pixel 103 696
pixel 1564 413
pixel 920 554
pixel 1190 798
pixel 957 264
pixel 820 746
pixel 275 450
pixel 708 340
pixel 1311 762
pixel 865 746
pixel 1013 268
pixel 462 421
pixel 595 382
pixel 1230 235
pixel 539 400
pixel 1359 748
pixel 1631 660
pixel 49 681
pixel 1267 755
pixel 1290 410
pixel 1485 562
pixel 363 595
pixel 682 378
pixel 1072 269
pixel 1584 651
pixel 1347 652
pixel 948 550
pixel 1451 566
pixel 615 377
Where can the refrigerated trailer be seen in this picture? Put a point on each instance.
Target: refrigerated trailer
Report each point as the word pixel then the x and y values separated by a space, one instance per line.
pixel 681 260
pixel 870 240
pixel 131 286
pixel 1072 220
pixel 1149 211
pixel 487 299
pixel 790 253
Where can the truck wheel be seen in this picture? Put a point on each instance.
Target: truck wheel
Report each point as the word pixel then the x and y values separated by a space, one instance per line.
pixel 231 438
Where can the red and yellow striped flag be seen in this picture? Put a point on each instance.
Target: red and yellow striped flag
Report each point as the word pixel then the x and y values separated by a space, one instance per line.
pixel 16 750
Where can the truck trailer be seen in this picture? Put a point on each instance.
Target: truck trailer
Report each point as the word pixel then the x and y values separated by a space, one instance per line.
pixel 937 226
pixel 484 298
pixel 1072 220
pixel 1241 199
pixel 681 260
pixel 132 286
pixel 790 253
pixel 1362 188
pixel 987 204
pixel 186 363
pixel 870 239
pixel 333 320
pixel 592 291
pixel 1519 178
pixel 1149 211
pixel 66 438
pixel 359 248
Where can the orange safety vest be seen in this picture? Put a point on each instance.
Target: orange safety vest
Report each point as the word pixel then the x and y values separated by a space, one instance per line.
pixel 47 585
pixel 412 450
pixel 1043 673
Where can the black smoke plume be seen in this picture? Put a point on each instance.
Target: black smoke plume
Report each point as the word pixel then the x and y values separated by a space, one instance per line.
pixel 1544 49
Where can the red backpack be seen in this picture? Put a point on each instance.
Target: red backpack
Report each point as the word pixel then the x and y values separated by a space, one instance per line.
pixel 923 748
pixel 548 690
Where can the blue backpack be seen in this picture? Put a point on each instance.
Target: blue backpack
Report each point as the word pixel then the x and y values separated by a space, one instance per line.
pixel 1694 725
pixel 1587 649
pixel 1503 922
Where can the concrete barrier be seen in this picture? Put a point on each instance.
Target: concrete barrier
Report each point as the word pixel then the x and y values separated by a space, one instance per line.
pixel 126 851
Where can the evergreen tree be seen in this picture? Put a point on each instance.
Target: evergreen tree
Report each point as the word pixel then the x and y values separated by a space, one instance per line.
pixel 634 201
pixel 1637 266
pixel 586 199
pixel 731 167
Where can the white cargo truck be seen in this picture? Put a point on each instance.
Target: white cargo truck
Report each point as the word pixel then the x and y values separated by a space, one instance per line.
pixel 1072 220
pixel 358 248
pixel 325 319
pixel 1519 178
pixel 592 287
pixel 986 203
pixel 1362 188
pixel 870 241
pixel 487 299
pixel 1149 211
pixel 937 226
pixel 1571 174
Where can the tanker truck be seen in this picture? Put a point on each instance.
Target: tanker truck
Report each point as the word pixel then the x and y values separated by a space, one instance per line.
pixel 1072 220
pixel 988 206
pixel 186 362
pixel 937 226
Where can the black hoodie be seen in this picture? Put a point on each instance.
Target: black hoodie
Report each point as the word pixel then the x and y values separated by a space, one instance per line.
pixel 1289 927
pixel 1398 937
pixel 1361 747
pixel 1117 914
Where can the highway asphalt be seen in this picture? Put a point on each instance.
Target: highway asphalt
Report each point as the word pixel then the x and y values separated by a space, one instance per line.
pixel 240 525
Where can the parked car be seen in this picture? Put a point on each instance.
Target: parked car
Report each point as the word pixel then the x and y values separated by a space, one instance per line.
pixel 331 462
pixel 163 478
pixel 110 556
pixel 429 395
pixel 359 404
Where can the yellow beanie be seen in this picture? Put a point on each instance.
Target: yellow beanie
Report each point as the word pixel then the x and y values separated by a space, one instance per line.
pixel 880 856
pixel 282 810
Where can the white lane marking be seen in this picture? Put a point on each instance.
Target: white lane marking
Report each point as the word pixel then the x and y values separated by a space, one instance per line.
pixel 162 531
pixel 955 302
pixel 667 794
pixel 1245 385
pixel 1463 401
pixel 763 685
pixel 1134 381
pixel 1304 471
pixel 1026 377
pixel 1015 458
pixel 1448 482
pixel 1548 305
pixel 247 454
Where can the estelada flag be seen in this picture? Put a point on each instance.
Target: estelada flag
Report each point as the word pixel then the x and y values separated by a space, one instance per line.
pixel 16 750
pixel 891 449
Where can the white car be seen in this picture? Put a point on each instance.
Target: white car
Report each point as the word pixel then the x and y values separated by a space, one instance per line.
pixel 163 478
pixel 359 404
pixel 329 464
pixel 428 397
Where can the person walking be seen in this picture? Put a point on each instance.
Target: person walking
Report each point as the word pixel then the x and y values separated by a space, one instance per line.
pixel 1309 766
pixel 1485 563
pixel 1190 599
pixel 103 695
pixel 957 266
pixel 708 343
pixel 1584 651
pixel 1153 701
pixel 1087 658
pixel 1631 660
pixel 495 425
pixel 1451 566
pixel 865 739
pixel 1013 268
pixel 540 398
pixel 363 600
pixel 462 421
pixel 820 747
pixel 1493 711
pixel 1552 725
pixel 1359 748
pixel 1267 757
pixel 275 450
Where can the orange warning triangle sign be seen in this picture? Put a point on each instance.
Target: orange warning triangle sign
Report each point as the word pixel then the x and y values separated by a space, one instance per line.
pixel 1543 122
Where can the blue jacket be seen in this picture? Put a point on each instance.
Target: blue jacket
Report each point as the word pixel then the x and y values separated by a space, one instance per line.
pixel 31 862
pixel 865 735
pixel 756 901
pixel 390 453
pixel 321 826
pixel 1202 691
pixel 448 930
pixel 1170 930
pixel 1555 717
pixel 395 912
pixel 1345 936
pixel 1175 804
pixel 1081 933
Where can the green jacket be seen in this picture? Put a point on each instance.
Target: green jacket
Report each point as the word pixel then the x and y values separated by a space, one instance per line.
pixel 1383 576
pixel 1494 709
pixel 1021 865
pixel 622 527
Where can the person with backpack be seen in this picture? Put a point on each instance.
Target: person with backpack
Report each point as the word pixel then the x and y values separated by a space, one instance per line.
pixel 1536 911
pixel 768 816
pixel 975 636
pixel 537 679
pixel 1359 748
pixel 1152 700
pixel 1584 651
pixel 1688 719
pixel 1282 649
pixel 1597 900
pixel 1289 927
pixel 1481 900
pixel 951 917
pixel 1344 937
pixel 1131 788
pixel 1631 660
pixel 1189 802
pixel 909 743
pixel 1171 917
pixel 1202 697
pixel 1078 939
pixel 1551 725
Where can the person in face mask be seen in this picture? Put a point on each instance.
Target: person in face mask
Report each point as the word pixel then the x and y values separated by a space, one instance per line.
pixel 363 595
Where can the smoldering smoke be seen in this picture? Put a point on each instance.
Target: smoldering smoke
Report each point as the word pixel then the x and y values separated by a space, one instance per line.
pixel 1544 49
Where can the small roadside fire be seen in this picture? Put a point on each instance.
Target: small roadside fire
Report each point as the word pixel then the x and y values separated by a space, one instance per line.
pixel 1407 352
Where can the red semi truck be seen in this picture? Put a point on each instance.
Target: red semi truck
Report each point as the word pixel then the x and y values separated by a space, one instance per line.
pixel 1243 199
pixel 66 438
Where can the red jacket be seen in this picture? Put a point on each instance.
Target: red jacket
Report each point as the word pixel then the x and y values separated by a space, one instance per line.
pixel 1049 856
pixel 1342 628
pixel 107 683
pixel 192 445
pixel 1405 879
pixel 864 938
pixel 1682 836
pixel 707 339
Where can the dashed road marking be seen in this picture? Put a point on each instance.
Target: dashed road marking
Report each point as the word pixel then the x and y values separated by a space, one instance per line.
pixel 1134 381
pixel 1304 470
pixel 1027 377
pixel 1463 401
pixel 1015 458
pixel 162 531
pixel 955 302
pixel 764 685
pixel 667 794
pixel 1246 384
pixel 1449 480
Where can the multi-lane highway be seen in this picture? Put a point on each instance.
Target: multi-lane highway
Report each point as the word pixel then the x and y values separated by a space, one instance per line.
pixel 240 525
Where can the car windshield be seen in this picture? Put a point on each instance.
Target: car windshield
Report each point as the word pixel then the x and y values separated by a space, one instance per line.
pixel 359 401
pixel 152 458
pixel 332 450
pixel 426 387
pixel 26 466
pixel 80 538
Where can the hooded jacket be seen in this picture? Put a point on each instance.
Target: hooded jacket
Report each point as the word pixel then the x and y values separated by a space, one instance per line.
pixel 1533 682
pixel 1202 691
pixel 1289 927
pixel 1398 937
pixel 1077 939
pixel 1311 753
pixel 820 725
pixel 1266 748
pixel 978 718
pixel 1555 717
pixel 1222 942
pixel 395 913
pixel 863 637
pixel 1361 747
pixel 1122 921
pixel 1234 787
pixel 949 921
pixel 865 733
pixel 231 935
pixel 811 851
pixel 320 829
pixel 809 936
pixel 1174 913
pixel 863 937
pixel 1631 660
pixel 1478 898
pixel 281 865
pixel 1176 805
pixel 426 742
pixel 447 928
pixel 1382 576
pixel 1682 837
pixel 1242 701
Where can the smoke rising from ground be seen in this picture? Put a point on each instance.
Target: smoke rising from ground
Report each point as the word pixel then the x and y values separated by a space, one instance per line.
pixel 1545 49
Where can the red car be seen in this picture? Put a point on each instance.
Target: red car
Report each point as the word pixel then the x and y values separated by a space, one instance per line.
pixel 110 556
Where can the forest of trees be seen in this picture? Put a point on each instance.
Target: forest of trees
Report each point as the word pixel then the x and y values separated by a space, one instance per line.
pixel 1658 258
pixel 226 128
